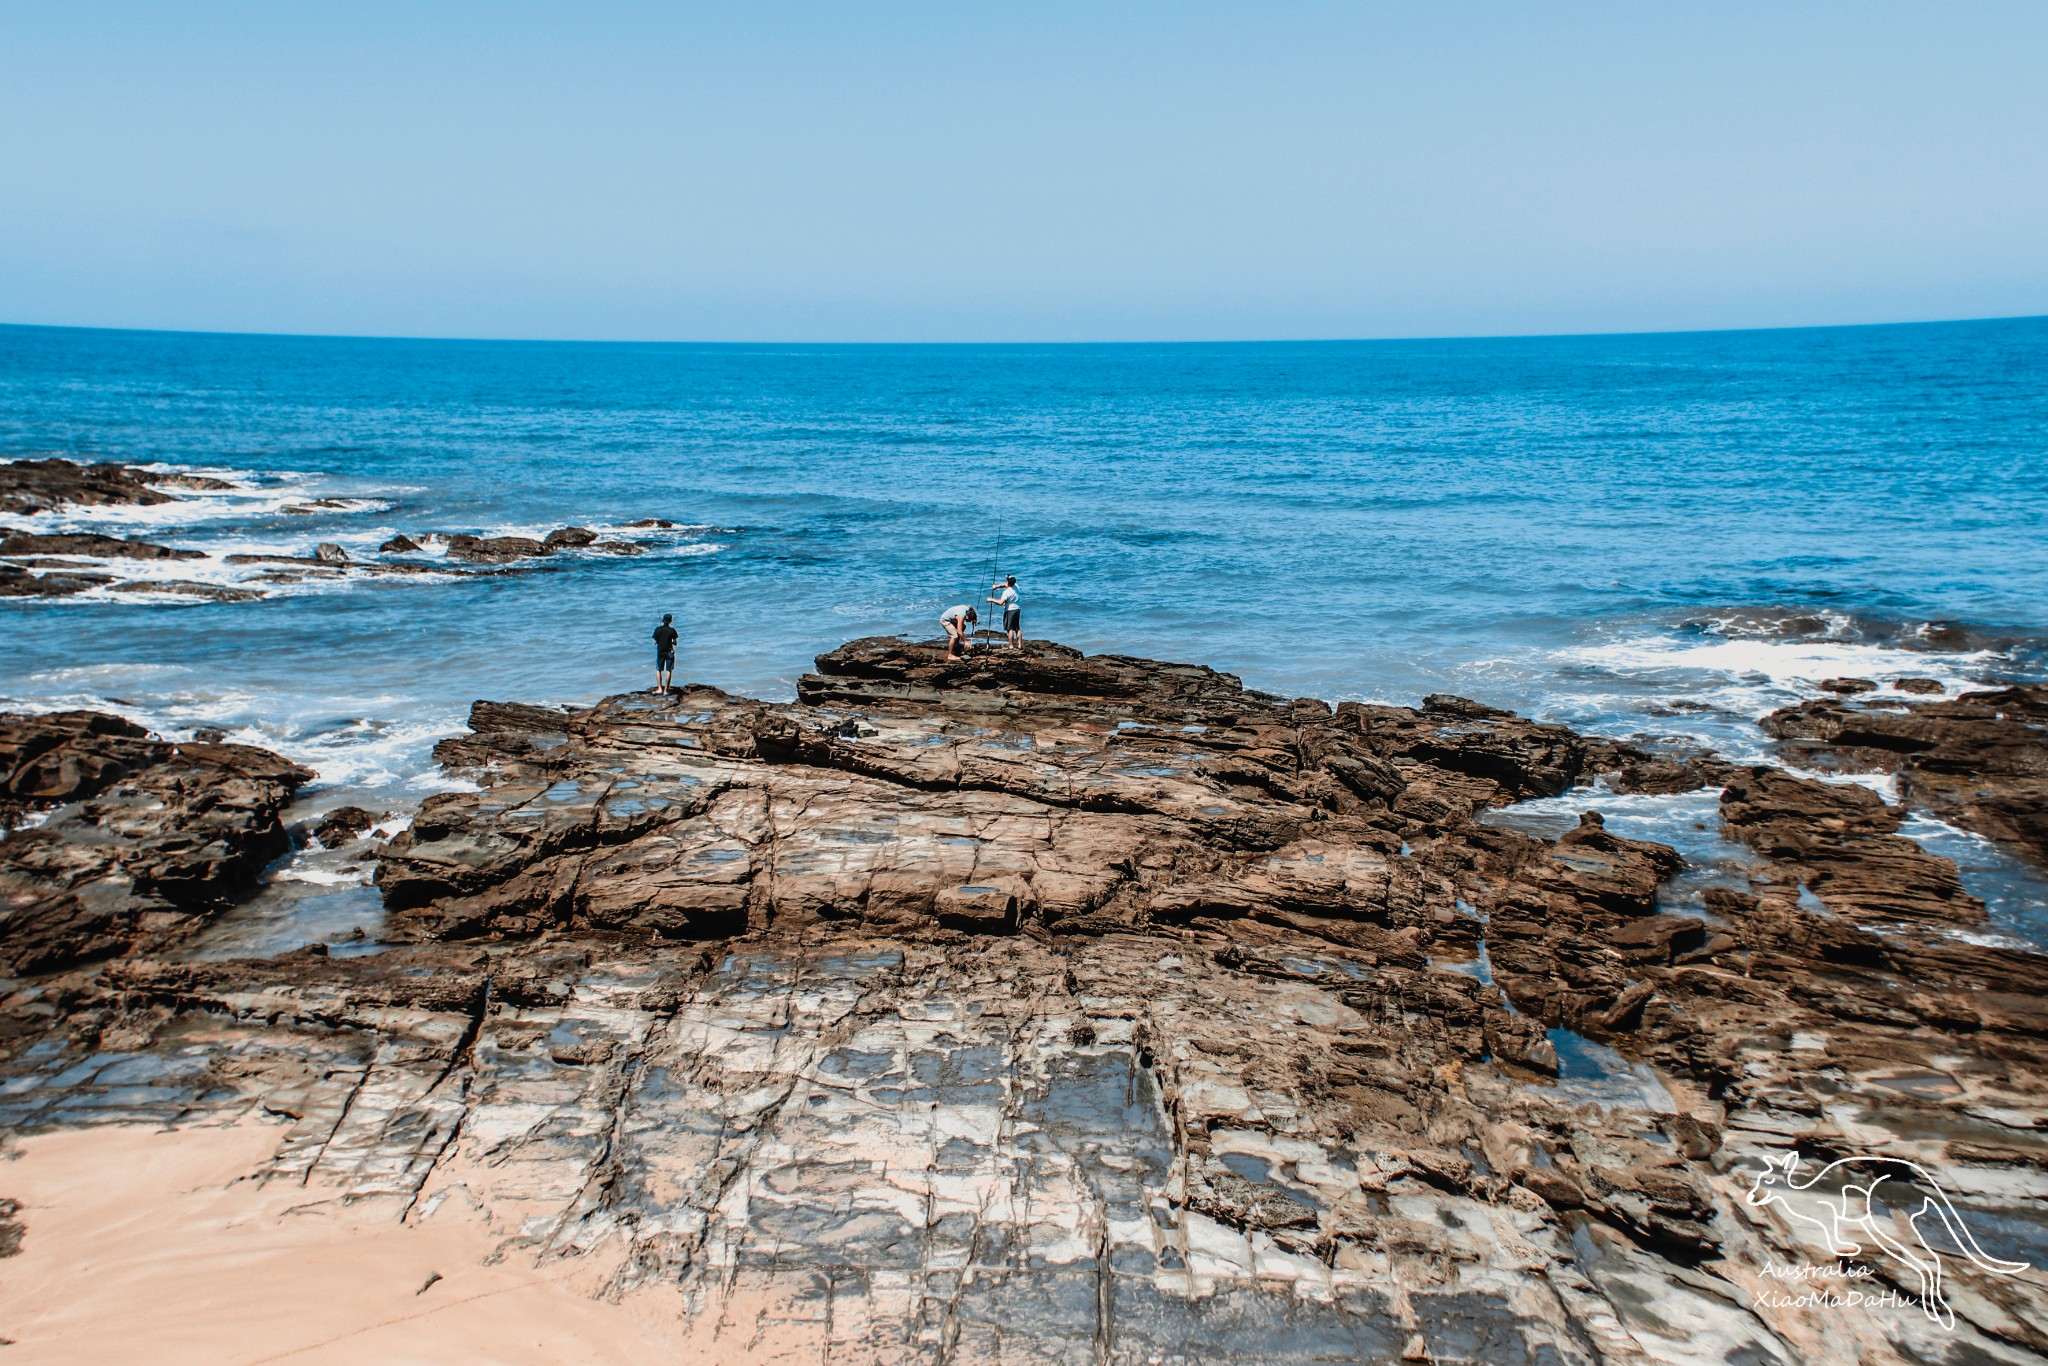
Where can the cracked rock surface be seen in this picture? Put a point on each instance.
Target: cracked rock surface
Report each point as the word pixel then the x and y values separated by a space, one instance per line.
pixel 1051 1008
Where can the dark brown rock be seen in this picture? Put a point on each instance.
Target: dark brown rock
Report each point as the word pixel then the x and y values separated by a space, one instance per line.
pixel 568 537
pixel 1839 840
pixel 17 582
pixel 343 824
pixel 399 545
pixel 495 549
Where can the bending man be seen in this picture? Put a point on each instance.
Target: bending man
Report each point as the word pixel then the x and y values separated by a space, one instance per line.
pixel 959 623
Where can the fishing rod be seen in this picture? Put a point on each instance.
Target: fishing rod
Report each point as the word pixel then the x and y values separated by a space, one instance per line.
pixel 995 569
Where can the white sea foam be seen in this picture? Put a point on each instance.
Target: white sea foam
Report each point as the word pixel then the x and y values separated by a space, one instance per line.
pixel 1885 785
pixel 251 496
pixel 321 877
pixel 1751 677
pixel 1706 685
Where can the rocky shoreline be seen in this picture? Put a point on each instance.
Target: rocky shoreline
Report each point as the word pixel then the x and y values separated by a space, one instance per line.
pixel 1050 1007
pixel 61 564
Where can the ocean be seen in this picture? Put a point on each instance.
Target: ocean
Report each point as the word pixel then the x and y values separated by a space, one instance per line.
pixel 1662 536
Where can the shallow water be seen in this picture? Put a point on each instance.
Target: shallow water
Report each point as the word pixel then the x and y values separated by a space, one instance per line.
pixel 1689 822
pixel 1662 535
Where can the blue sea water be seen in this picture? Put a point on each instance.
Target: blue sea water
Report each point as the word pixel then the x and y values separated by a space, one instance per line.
pixel 1645 535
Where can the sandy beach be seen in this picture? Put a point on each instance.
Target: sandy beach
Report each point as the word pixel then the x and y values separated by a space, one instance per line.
pixel 145 1244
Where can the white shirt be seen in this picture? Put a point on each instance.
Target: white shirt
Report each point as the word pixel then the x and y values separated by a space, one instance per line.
pixel 1007 597
pixel 958 613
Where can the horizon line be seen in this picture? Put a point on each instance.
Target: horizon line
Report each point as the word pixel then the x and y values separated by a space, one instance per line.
pixel 1073 342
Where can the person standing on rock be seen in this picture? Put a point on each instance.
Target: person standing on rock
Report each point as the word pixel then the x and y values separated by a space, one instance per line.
pixel 959 623
pixel 1004 595
pixel 665 637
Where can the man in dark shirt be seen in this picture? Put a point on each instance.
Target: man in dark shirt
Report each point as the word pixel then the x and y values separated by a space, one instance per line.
pixel 664 652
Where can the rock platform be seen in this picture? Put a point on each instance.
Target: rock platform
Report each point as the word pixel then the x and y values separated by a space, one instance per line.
pixel 1043 1007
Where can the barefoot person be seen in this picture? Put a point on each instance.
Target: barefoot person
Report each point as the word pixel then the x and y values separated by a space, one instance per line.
pixel 959 623
pixel 1004 595
pixel 664 652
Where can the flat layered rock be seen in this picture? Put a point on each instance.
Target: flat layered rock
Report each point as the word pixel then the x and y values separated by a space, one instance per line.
pixel 496 549
pixel 1979 760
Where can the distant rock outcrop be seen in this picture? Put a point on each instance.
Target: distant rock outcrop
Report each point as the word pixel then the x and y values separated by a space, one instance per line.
pixel 33 486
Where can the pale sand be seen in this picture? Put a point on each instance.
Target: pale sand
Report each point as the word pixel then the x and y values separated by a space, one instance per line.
pixel 146 1245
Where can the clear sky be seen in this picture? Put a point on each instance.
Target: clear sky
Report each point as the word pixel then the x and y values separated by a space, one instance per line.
pixel 780 169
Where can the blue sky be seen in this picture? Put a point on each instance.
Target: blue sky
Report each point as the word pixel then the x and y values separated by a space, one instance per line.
pixel 1044 171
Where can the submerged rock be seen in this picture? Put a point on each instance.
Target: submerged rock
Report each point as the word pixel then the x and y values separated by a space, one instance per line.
pixel 212 592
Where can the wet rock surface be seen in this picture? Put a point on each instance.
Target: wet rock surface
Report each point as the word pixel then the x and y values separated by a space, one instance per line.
pixel 1042 1007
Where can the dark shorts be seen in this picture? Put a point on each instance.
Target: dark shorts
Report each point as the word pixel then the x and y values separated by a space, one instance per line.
pixel 665 663
pixel 1013 619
